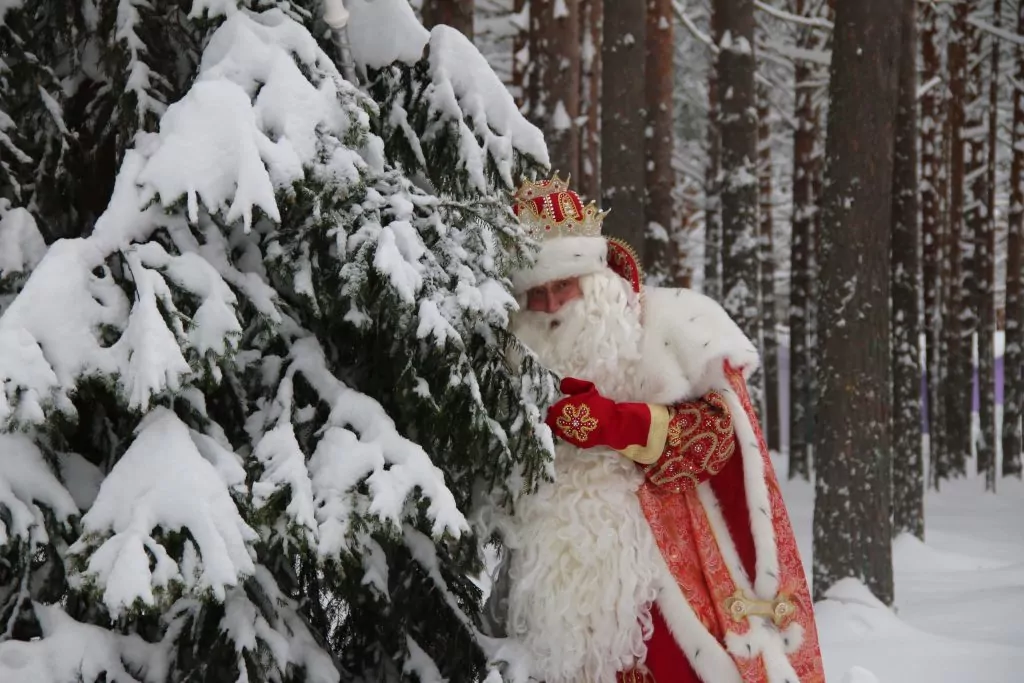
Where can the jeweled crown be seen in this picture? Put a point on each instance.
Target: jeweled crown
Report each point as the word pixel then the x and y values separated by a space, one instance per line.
pixel 549 209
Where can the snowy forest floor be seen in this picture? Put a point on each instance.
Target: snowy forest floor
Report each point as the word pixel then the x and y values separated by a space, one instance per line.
pixel 959 596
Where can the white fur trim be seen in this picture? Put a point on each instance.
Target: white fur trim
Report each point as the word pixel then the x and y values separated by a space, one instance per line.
pixel 706 655
pixel 686 337
pixel 765 640
pixel 762 526
pixel 563 257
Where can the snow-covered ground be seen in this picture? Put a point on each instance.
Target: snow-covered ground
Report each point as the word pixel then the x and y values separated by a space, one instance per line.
pixel 959 612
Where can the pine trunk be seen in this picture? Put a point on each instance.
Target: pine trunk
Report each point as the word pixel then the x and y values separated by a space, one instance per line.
pixel 766 205
pixel 520 57
pixel 623 173
pixel 799 272
pixel 455 13
pixel 555 69
pixel 986 250
pixel 1013 357
pixel 739 169
pixel 932 172
pixel 590 146
pixel 712 185
pixel 908 467
pixel 852 524
pixel 957 375
pixel 659 256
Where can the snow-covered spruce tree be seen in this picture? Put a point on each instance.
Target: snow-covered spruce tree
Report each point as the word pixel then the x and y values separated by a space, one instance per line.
pixel 248 419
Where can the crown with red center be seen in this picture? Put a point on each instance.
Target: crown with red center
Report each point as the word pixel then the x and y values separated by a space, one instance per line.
pixel 571 243
pixel 549 209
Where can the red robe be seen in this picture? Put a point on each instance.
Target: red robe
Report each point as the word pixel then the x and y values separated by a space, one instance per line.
pixel 702 632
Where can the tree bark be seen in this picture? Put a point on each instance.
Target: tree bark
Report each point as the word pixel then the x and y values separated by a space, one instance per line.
pixel 591 13
pixel 986 275
pixel 957 375
pixel 799 271
pixel 455 13
pixel 932 173
pixel 908 467
pixel 712 186
pixel 735 19
pixel 660 206
pixel 623 172
pixel 1013 357
pixel 852 525
pixel 554 72
pixel 766 244
pixel 520 56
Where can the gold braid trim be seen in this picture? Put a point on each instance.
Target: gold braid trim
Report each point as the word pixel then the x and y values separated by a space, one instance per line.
pixel 657 435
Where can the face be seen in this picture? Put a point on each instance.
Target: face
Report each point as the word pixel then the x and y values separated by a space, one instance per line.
pixel 551 296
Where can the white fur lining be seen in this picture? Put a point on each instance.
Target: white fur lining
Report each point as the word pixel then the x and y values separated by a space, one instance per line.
pixel 706 655
pixel 563 257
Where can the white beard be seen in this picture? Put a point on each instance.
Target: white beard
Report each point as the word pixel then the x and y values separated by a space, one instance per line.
pixel 583 567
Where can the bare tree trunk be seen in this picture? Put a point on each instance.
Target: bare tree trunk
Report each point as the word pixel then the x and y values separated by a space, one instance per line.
pixel 555 71
pixel 932 171
pixel 957 376
pixel 660 207
pixel 455 13
pixel 712 186
pixel 766 204
pixel 852 525
pixel 520 57
pixel 799 272
pixel 908 467
pixel 986 250
pixel 591 12
pixel 623 172
pixel 1013 357
pixel 739 168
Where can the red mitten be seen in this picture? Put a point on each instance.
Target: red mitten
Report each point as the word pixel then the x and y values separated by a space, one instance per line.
pixel 587 419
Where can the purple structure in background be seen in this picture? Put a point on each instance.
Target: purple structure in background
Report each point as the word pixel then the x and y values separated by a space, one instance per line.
pixel 784 393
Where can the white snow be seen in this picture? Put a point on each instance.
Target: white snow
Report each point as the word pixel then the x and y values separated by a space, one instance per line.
pixel 73 651
pixel 26 482
pixel 162 480
pixel 21 245
pixel 381 32
pixel 464 82
pixel 959 594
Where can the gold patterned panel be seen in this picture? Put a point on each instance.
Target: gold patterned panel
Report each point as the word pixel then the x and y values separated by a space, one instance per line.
pixel 701 439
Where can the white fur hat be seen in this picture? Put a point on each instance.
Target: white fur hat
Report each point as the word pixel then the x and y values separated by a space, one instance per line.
pixel 569 233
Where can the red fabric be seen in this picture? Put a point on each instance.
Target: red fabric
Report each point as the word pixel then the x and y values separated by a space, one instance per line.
pixel 587 419
pixel 732 498
pixel 665 659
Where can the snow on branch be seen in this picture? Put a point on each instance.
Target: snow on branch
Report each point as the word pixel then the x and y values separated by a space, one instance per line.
pixel 162 485
pixel 382 32
pixel 72 651
pixel 26 483
pixel 463 83
pixel 21 244
pixel 360 443
pixel 814 22
pixel 1009 36
pixel 272 631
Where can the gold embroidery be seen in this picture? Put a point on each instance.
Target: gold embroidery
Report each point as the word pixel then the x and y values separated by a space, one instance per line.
pixel 576 421
pixel 700 441
pixel 778 610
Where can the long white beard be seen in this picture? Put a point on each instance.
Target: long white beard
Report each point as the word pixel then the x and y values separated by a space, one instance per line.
pixel 582 573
